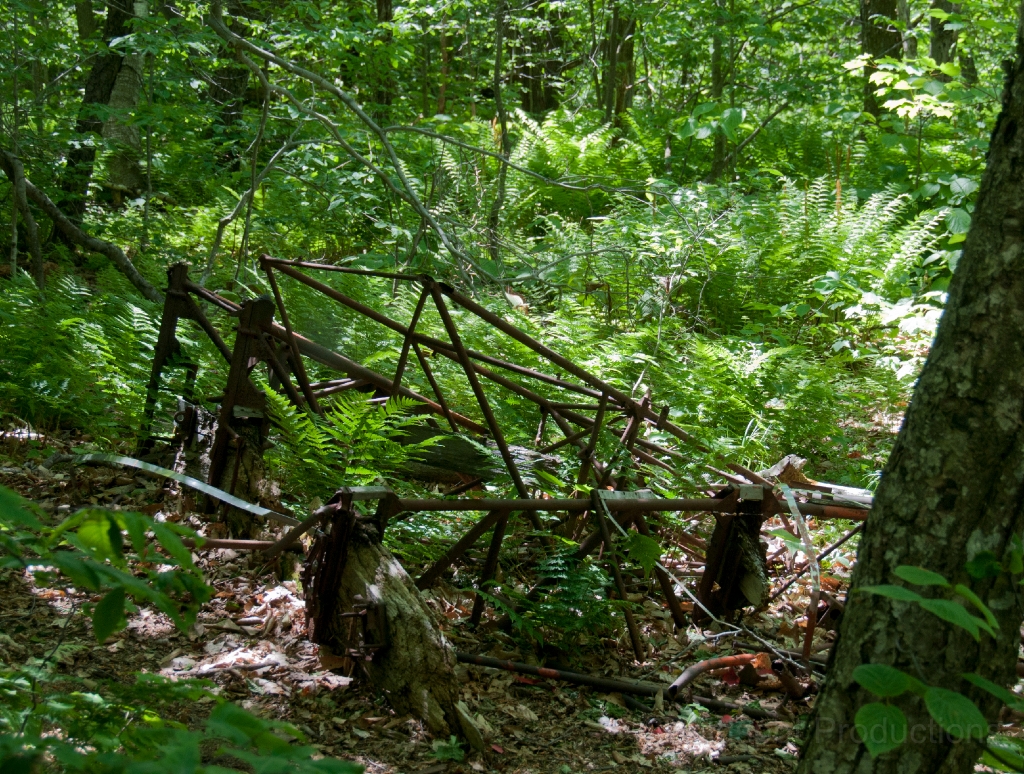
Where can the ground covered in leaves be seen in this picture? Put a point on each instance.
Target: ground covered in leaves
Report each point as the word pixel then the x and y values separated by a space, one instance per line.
pixel 250 641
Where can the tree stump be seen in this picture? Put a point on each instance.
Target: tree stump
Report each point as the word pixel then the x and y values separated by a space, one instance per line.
pixel 361 603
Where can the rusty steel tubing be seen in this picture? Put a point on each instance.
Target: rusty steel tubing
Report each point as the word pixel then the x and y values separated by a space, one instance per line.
pixel 572 505
pixel 602 683
pixel 423 339
pixel 693 671
pixel 606 684
pixel 563 362
pixel 242 545
pixel 432 573
pixel 342 269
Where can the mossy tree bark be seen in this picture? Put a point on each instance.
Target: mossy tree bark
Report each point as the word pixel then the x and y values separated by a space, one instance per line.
pixel 954 487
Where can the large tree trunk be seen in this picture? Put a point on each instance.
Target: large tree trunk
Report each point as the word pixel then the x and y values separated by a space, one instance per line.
pixel 620 70
pixel 98 88
pixel 878 38
pixel 363 605
pixel 954 487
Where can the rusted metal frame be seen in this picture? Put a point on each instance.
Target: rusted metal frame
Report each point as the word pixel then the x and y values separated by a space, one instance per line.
pixel 481 398
pixel 299 530
pixel 490 565
pixel 577 406
pixel 704 505
pixel 404 357
pixel 587 454
pixel 577 436
pixel 652 460
pixel 204 322
pixel 208 295
pixel 823 555
pixel 587 422
pixel 167 345
pixel 281 372
pixel 620 585
pixel 465 486
pixel 241 545
pixel 563 425
pixel 331 383
pixel 563 362
pixel 349 384
pixel 595 539
pixel 239 389
pixel 750 475
pixel 432 573
pixel 423 339
pixel 341 363
pixel 667 588
pixel 541 426
pixel 342 269
pixel 628 437
pixel 335 360
pixel 429 373
pixel 298 366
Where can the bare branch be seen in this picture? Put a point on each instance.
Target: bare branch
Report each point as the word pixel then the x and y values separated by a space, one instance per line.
pixel 9 161
pixel 406 189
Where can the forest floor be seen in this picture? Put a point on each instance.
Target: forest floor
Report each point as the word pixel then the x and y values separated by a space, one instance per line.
pixel 250 641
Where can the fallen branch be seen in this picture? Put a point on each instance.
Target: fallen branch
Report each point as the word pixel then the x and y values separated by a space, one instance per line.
pixel 76 235
pixel 693 671
pixel 21 202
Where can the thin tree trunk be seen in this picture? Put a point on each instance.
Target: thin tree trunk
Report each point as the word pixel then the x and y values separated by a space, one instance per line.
pixel 879 38
pixel 953 487
pixel 385 77
pixel 494 217
pixel 85 18
pixel 909 41
pixel 612 71
pixel 717 89
pixel 943 41
pixel 442 86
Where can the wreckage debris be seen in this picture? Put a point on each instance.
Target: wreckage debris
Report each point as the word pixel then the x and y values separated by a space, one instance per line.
pixel 363 606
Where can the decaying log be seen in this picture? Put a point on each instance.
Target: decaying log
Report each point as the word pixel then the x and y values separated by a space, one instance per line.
pixel 362 604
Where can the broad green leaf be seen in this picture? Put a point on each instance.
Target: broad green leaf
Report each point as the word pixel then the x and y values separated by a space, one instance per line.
pixel 730 121
pixel 893 592
pixel 102 535
pixel 1010 751
pixel 919 576
pixel 172 544
pixel 962 186
pixel 882 727
pixel 108 617
pixel 884 680
pixel 956 713
pixel 13 509
pixel 956 614
pixel 958 221
pixel 1009 698
pixel 975 600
